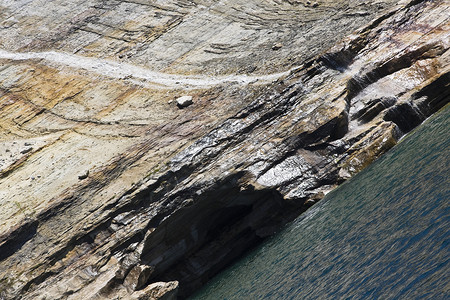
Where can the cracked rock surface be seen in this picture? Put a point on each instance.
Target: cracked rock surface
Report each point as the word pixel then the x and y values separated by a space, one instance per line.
pixel 108 190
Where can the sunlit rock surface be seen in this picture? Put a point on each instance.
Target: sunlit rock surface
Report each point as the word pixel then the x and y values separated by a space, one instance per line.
pixel 109 189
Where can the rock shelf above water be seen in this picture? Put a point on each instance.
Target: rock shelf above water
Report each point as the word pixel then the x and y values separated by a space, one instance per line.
pixel 291 99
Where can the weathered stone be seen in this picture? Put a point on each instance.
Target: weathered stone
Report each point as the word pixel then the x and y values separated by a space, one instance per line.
pixel 158 291
pixel 137 277
pixel 184 101
pixel 187 193
pixel 277 46
pixel 84 175
pixel 26 150
pixel 310 202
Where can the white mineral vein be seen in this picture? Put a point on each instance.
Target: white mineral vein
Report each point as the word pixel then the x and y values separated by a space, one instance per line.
pixel 121 70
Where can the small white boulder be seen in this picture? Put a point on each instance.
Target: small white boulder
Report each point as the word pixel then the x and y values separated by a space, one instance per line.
pixel 184 101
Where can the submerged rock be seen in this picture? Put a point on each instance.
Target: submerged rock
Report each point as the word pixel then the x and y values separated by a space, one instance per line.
pixel 174 198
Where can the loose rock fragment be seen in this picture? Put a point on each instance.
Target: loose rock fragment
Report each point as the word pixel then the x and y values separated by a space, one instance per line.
pixel 26 150
pixel 277 46
pixel 137 277
pixel 158 290
pixel 184 101
pixel 310 202
pixel 84 175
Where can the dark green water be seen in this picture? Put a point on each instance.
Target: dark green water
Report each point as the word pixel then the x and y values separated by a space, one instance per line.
pixel 382 235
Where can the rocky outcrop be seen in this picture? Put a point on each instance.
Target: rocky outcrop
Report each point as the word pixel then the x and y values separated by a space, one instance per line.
pixel 109 190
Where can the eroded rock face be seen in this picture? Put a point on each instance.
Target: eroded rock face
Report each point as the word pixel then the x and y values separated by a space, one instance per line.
pixel 108 190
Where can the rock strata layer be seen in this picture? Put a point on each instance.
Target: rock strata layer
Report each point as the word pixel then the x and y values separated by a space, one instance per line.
pixel 108 190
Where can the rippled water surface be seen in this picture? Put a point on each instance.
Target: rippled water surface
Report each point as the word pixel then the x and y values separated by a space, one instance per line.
pixel 382 235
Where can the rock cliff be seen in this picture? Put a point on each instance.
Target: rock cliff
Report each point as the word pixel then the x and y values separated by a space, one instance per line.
pixel 111 187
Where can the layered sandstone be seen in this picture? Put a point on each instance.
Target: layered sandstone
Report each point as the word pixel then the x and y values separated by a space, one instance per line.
pixel 110 189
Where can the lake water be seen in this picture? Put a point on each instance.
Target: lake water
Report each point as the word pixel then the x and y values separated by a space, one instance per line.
pixel 382 235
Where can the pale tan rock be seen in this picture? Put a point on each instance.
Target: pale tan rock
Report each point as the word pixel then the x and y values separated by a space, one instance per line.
pixel 158 291
pixel 186 192
pixel 184 101
pixel 137 277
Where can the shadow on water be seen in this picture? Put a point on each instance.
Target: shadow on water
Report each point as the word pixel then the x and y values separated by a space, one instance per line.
pixel 382 235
